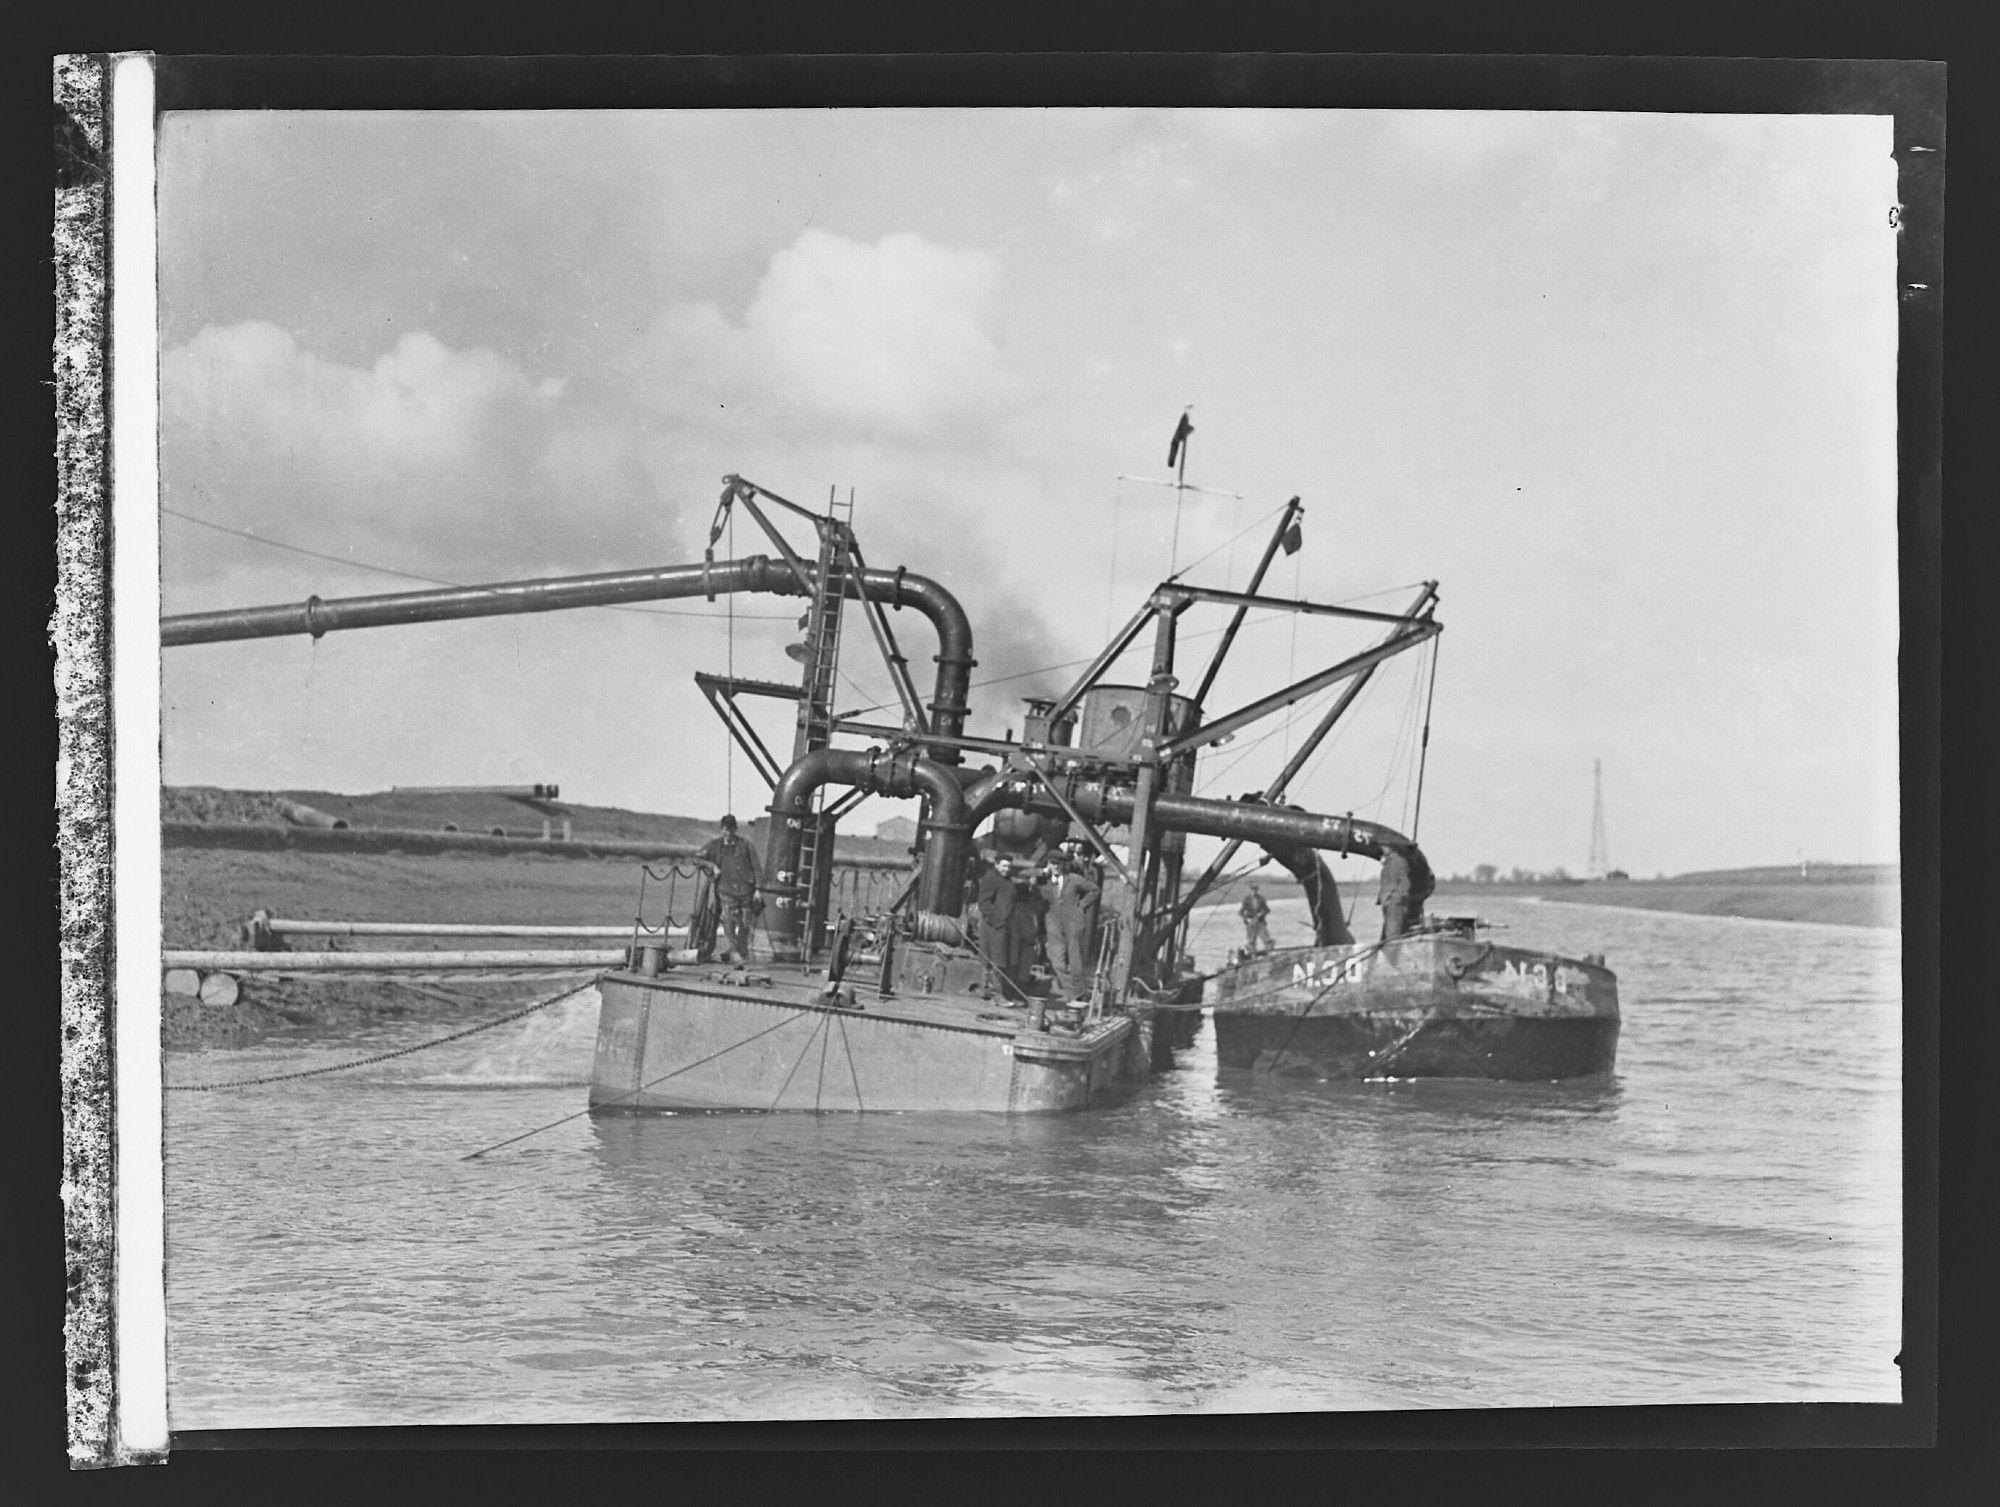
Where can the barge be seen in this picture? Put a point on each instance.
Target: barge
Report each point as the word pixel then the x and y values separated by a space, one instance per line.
pixel 710 1038
pixel 1434 1003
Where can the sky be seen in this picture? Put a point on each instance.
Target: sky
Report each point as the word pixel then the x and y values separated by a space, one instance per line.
pixel 1623 384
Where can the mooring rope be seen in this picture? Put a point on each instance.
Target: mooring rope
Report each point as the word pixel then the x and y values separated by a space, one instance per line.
pixel 819 1033
pixel 854 1077
pixel 343 1067
pixel 1340 974
pixel 635 1092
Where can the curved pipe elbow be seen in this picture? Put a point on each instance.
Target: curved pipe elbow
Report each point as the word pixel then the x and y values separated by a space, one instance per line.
pixel 899 588
pixel 902 588
pixel 940 885
pixel 994 791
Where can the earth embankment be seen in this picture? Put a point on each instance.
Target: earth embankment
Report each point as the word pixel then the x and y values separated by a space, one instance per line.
pixel 1862 897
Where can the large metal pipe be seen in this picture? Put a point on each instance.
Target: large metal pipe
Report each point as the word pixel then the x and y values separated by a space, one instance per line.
pixel 940 884
pixel 1112 805
pixel 1289 835
pixel 1321 893
pixel 285 928
pixel 299 814
pixel 416 960
pixel 756 573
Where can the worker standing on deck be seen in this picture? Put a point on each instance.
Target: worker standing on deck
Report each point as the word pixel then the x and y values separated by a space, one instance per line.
pixel 1073 928
pixel 976 867
pixel 1256 913
pixel 1406 883
pixel 1030 912
pixel 997 898
pixel 735 886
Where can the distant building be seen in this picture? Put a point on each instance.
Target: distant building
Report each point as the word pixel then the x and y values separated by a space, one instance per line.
pixel 897 829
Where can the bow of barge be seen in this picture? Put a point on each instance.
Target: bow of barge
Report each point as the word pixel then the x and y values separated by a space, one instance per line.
pixel 1436 1003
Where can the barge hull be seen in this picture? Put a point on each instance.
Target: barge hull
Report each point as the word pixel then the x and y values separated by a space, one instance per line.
pixel 671 1045
pixel 1428 1005
pixel 1393 1046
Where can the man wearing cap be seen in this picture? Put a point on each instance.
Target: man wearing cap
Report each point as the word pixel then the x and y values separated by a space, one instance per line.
pixel 1256 913
pixel 1073 927
pixel 1406 883
pixel 735 886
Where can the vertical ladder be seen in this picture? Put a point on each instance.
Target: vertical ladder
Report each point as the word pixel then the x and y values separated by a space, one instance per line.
pixel 815 722
pixel 822 644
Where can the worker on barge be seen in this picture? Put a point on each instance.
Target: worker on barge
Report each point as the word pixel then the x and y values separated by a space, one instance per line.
pixel 1407 883
pixel 1256 913
pixel 1073 927
pixel 997 899
pixel 735 890
pixel 1031 922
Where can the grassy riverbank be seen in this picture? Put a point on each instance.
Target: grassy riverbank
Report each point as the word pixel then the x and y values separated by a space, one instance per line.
pixel 1858 896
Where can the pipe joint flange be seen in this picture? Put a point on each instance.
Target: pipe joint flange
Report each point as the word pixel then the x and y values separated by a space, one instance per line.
pixel 929 926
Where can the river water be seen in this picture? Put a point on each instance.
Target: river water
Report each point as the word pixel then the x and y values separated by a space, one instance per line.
pixel 1719 1222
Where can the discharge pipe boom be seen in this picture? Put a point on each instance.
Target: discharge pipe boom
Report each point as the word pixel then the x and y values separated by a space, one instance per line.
pixel 755 573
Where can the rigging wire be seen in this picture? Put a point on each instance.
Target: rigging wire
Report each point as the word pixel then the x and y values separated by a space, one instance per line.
pixel 1254 620
pixel 1411 774
pixel 408 575
pixel 1423 755
pixel 1239 755
pixel 1404 731
pixel 729 733
pixel 1111 576
pixel 1228 544
pixel 1292 663
pixel 1319 758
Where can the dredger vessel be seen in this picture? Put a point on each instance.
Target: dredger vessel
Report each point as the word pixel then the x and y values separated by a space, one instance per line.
pixel 917 1004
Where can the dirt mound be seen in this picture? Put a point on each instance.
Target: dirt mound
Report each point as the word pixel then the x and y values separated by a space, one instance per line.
pixel 207 803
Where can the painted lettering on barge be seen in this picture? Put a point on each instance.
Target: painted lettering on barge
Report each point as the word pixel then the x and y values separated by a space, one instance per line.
pixel 1326 972
pixel 1535 979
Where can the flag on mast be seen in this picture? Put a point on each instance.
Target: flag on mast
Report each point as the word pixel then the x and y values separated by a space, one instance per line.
pixel 1181 431
pixel 1294 536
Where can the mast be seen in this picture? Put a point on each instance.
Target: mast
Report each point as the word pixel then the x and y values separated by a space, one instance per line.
pixel 1600 856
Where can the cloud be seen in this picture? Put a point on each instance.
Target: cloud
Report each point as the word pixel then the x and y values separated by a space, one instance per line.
pixel 420 407
pixel 889 340
pixel 427 459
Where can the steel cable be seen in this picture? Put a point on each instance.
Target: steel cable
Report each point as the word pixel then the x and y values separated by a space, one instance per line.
pixel 343 1067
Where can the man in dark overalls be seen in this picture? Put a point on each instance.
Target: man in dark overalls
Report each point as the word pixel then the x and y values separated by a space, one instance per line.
pixel 997 899
pixel 1073 929
pixel 1406 884
pixel 735 885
